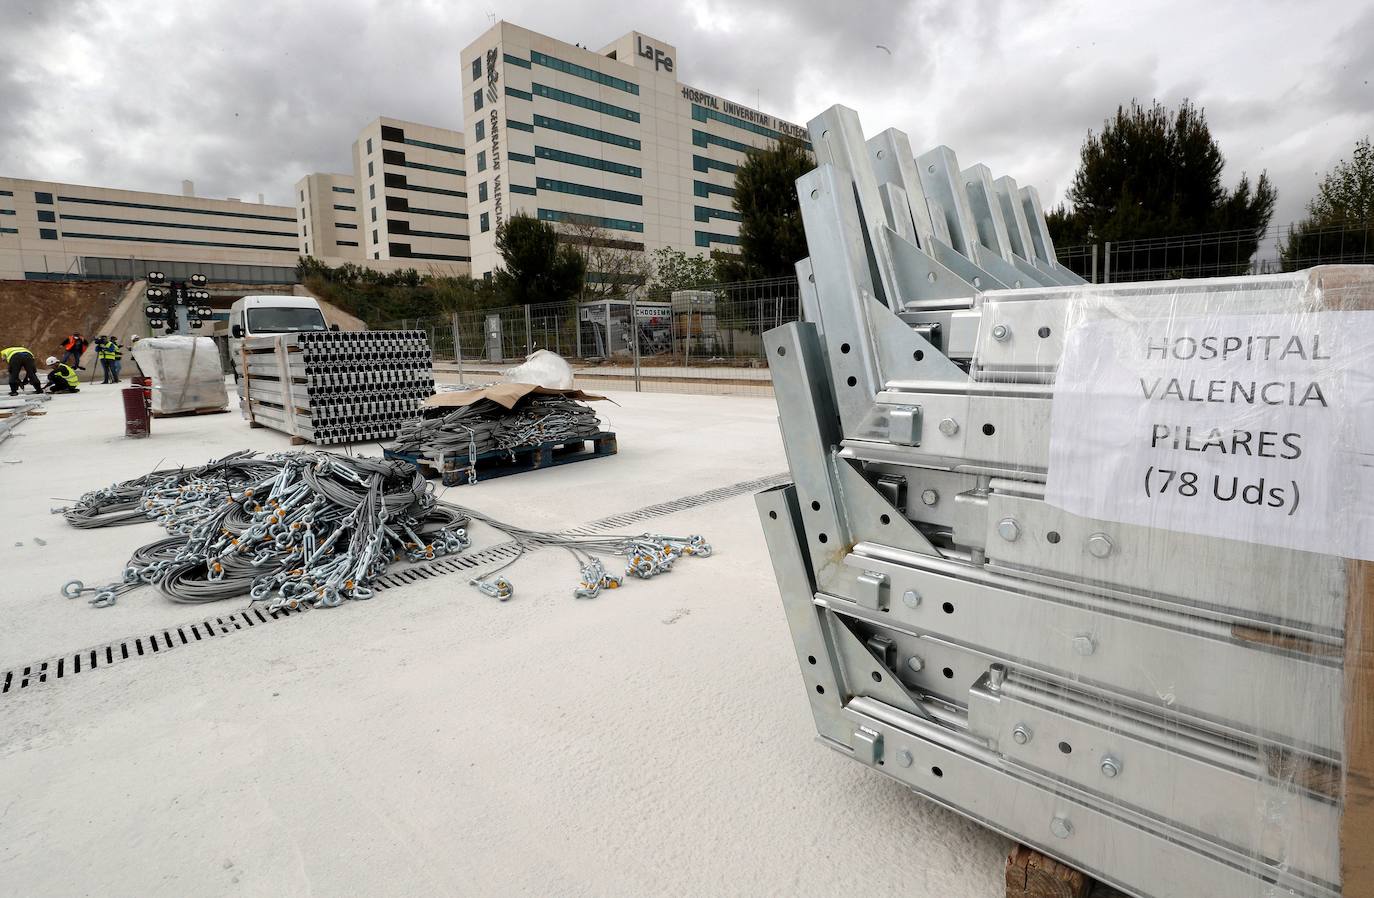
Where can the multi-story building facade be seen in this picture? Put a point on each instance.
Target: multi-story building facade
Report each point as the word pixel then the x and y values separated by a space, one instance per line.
pixel 327 220
pixel 609 137
pixel 53 230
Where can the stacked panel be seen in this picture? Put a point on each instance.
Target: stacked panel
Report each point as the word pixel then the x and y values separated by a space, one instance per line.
pixel 1164 708
pixel 336 387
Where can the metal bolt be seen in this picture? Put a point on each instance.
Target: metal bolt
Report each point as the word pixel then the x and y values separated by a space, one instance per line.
pixel 929 497
pixel 1061 826
pixel 915 664
pixel 1008 529
pixel 904 758
pixel 1100 545
pixel 1110 767
pixel 997 675
pixel 1021 734
pixel 1084 645
pixel 949 427
pixel 911 598
pixel 1001 333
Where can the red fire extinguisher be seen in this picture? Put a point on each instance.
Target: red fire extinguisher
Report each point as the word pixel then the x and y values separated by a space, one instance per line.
pixel 137 411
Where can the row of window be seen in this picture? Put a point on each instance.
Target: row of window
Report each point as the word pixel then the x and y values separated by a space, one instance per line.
pixel 702 114
pixel 345 225
pixel 345 208
pixel 337 189
pixel 704 163
pixel 6 211
pixel 170 224
pixel 519 94
pixel 418 211
pixel 706 238
pixel 632 171
pixel 516 60
pixel 52 235
pixel 580 71
pixel 519 126
pixel 612 224
pixel 521 188
pixel 705 141
pixel 703 188
pixel 520 157
pixel 553 124
pixel 433 146
pixel 706 213
pixel 439 168
pixel 600 193
pixel 346 242
pixel 156 208
pixel 572 99
pixel 403 251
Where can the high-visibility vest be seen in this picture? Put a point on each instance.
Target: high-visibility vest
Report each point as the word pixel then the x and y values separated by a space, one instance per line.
pixel 66 373
pixel 109 351
pixel 69 344
pixel 12 351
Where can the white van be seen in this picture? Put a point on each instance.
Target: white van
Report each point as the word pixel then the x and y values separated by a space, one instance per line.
pixel 265 315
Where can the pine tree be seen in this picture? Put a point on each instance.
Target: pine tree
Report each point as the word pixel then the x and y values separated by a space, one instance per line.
pixel 1339 226
pixel 536 268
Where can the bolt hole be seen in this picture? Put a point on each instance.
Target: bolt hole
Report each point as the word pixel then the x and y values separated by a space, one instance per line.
pixel 815 194
pixel 773 515
pixel 1043 332
pixel 820 689
pixel 1066 748
pixel 823 538
pixel 1052 536
pixel 851 380
pixel 782 350
pixel 948 607
pixel 811 278
pixel 988 430
pixel 885 519
pixel 811 659
pixel 937 771
pixel 844 347
pixel 877 677
pixel 918 355
pixel 815 506
pixel 948 672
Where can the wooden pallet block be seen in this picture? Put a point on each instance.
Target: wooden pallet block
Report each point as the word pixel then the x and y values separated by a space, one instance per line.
pixel 1031 874
pixel 452 466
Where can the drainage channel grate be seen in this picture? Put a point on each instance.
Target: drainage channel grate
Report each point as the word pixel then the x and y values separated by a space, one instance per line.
pixel 160 642
pixel 212 629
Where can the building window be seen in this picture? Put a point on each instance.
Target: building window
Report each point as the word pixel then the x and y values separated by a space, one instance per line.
pixel 370 173
pixel 375 255
pixel 572 99
pixel 302 196
pixel 599 193
pixel 476 68
pixel 305 231
pixel 342 189
pixel 307 247
pixel 482 161
pixel 44 198
pixel 47 233
pixel 553 124
pixel 479 130
pixel 45 215
pixel 477 99
pixel 372 191
pixel 374 237
pixel 484 222
pixel 482 192
pixel 369 146
pixel 374 213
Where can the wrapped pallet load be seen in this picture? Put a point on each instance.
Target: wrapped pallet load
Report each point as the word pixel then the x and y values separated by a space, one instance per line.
pixel 186 373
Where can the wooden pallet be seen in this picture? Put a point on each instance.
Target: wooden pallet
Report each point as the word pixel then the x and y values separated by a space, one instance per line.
pixel 452 466
pixel 1031 874
pixel 189 412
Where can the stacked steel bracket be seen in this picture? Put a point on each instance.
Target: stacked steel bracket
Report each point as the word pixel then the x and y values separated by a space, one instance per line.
pixel 336 387
pixel 1161 710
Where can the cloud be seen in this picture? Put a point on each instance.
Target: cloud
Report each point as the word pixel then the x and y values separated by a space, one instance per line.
pixel 245 99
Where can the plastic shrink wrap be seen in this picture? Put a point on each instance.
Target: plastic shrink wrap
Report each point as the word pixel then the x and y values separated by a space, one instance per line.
pixel 186 372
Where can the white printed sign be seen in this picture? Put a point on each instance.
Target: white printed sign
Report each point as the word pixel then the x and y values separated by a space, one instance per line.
pixel 1257 428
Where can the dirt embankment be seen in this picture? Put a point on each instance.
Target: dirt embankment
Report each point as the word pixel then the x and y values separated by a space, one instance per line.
pixel 40 314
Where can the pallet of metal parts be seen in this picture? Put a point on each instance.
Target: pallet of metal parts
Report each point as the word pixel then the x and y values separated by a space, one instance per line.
pixel 485 439
pixel 457 467
pixel 335 387
pixel 16 409
pixel 1071 559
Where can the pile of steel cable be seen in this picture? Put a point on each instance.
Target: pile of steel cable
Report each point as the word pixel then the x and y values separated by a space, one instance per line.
pixel 486 425
pixel 647 555
pixel 290 528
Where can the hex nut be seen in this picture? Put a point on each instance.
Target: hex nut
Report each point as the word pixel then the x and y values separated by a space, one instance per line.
pixel 1061 826
pixel 1100 545
pixel 929 497
pixel 1021 734
pixel 1001 333
pixel 911 598
pixel 1008 529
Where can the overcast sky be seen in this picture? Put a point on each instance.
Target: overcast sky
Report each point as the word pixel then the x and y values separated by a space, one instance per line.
pixel 245 97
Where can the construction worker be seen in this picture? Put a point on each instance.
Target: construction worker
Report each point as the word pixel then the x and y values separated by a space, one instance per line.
pixel 73 348
pixel 18 359
pixel 62 378
pixel 108 350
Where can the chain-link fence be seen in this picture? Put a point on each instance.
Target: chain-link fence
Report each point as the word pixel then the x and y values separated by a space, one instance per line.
pixel 705 340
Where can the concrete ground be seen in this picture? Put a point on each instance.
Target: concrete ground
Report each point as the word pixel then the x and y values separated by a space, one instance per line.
pixel 433 741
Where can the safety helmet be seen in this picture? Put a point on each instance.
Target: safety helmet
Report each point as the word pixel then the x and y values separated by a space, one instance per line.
pixel 52 360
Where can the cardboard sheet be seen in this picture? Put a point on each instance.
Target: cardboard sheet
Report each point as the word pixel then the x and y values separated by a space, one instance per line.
pixel 506 395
